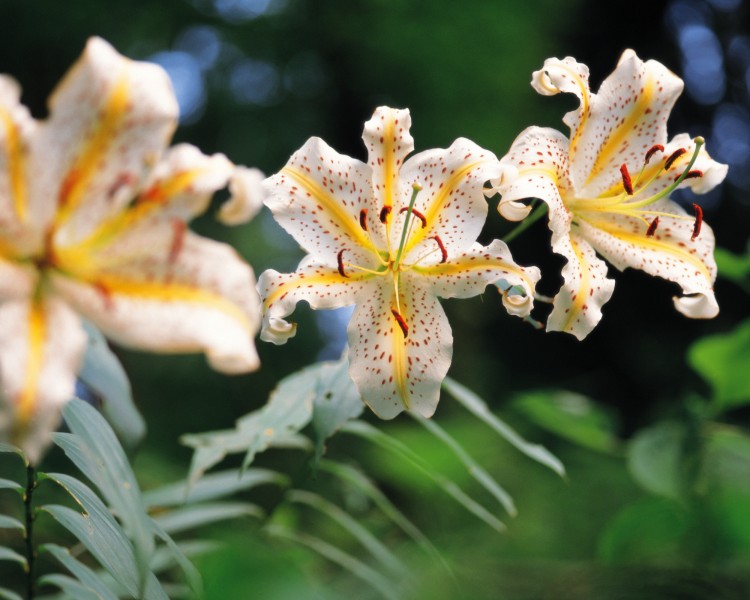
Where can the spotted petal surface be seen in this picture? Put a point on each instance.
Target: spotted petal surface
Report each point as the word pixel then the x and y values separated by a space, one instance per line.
pixel 607 188
pixel 370 246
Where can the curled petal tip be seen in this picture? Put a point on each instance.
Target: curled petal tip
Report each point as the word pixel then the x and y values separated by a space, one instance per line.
pixel 277 331
pixel 247 195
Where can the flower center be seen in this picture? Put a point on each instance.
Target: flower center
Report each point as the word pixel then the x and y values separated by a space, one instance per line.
pixel 628 198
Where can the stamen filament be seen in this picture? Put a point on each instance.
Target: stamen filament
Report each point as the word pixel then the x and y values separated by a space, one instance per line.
pixel 416 188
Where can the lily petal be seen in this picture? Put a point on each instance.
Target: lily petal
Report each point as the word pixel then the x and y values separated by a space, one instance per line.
pixel 317 284
pixel 197 296
pixel 451 199
pixel 246 198
pixel 110 119
pixel 669 253
pixel 319 198
pixel 41 347
pixel 467 275
pixel 399 365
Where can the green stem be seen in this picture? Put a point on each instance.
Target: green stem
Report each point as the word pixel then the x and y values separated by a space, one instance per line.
pixel 29 534
pixel 526 223
pixel 415 190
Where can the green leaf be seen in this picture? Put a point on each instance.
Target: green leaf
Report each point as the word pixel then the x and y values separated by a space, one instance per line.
pixel 212 486
pixel 726 461
pixel 7 594
pixel 7 522
pixel 336 401
pixel 655 459
pixel 83 573
pixel 650 531
pixel 8 554
pixel 71 587
pixel 105 376
pixel 368 432
pixel 341 558
pixel 571 416
pixel 9 448
pixel 371 543
pixel 7 484
pixel 734 267
pixel 95 450
pixel 475 470
pixel 289 409
pixel 478 408
pixel 190 517
pixel 191 573
pixel 722 360
pixel 103 537
pixel 164 557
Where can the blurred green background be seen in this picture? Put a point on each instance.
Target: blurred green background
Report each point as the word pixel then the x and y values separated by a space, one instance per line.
pixel 649 414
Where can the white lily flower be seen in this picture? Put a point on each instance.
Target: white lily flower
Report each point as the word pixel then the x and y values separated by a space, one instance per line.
pixel 93 224
pixel 390 237
pixel 607 189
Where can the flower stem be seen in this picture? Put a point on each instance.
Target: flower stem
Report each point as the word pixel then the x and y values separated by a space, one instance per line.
pixel 29 535
pixel 526 223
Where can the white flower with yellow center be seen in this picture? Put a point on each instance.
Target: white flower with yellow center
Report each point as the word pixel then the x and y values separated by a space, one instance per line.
pixel 93 213
pixel 390 237
pixel 607 189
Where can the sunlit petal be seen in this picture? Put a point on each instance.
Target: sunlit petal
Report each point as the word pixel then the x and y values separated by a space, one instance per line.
pixel 246 198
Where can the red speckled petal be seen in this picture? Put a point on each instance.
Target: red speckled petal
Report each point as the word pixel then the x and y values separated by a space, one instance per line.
pixel 669 253
pixel 110 120
pixel 318 198
pixel 451 200
pixel 392 372
pixel 468 274
pixel 41 348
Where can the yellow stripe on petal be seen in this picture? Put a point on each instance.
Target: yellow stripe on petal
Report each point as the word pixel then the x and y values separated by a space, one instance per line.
pixel 578 301
pixel 110 287
pixel 400 364
pixel 456 268
pixel 85 167
pixel 15 155
pixel 34 360
pixel 312 281
pixel 328 203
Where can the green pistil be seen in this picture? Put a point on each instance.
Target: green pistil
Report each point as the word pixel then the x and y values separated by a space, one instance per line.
pixel 416 188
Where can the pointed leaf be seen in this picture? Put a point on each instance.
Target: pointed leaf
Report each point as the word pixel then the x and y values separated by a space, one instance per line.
pixel 191 573
pixel 336 401
pixel 479 408
pixel 7 522
pixel 655 459
pixel 95 450
pixel 83 573
pixel 105 376
pixel 8 554
pixel 71 587
pixel 191 517
pixel 7 484
pixel 7 594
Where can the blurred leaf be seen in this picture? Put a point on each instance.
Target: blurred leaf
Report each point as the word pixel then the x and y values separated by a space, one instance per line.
pixel 368 432
pixel 475 470
pixel 190 517
pixel 7 484
pixel 730 519
pixel 164 557
pixel 571 416
pixel 191 573
pixel 95 450
pixel 71 587
pixel 8 554
pixel 726 462
pixel 100 533
pixel 212 486
pixel 341 558
pixel 372 544
pixel 722 360
pixel 655 459
pixel 734 267
pixel 336 401
pixel 7 594
pixel 7 522
pixel 83 573
pixel 478 407
pixel 105 376
pixel 4 447
pixel 646 532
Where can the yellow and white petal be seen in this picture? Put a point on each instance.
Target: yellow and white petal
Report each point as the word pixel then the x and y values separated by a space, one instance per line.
pixel 398 362
pixel 388 141
pixel 199 296
pixel 469 273
pixel 322 198
pixel 22 223
pixel 624 120
pixel 586 288
pixel 246 200
pixel 319 285
pixel 41 347
pixel 110 119
pixel 669 253
pixel 562 75
pixel 539 156
pixel 17 279
pixel 451 199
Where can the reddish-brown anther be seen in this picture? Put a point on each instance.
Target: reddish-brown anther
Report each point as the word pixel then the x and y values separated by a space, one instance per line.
pixel 363 219
pixel 627 183
pixel 401 322
pixel 384 212
pixel 673 157
pixel 340 259
pixel 652 227
pixel 653 150
pixel 698 221
pixel 443 251
pixel 417 214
